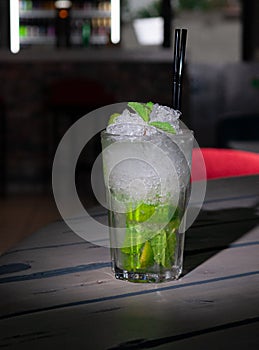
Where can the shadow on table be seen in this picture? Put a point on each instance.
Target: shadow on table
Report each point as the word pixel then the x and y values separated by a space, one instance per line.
pixel 216 230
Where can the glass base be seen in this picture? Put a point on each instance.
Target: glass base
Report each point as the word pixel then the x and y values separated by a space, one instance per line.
pixel 147 277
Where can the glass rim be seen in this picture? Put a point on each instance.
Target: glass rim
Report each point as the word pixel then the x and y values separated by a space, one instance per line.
pixel 185 132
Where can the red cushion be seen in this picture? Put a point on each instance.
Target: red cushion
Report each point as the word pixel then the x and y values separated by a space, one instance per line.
pixel 221 162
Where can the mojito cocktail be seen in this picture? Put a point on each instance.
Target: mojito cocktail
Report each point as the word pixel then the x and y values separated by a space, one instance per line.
pixel 146 161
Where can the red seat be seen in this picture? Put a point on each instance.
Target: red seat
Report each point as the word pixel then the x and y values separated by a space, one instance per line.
pixel 220 162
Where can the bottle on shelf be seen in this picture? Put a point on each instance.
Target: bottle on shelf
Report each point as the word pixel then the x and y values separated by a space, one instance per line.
pixel 63 23
pixel 86 33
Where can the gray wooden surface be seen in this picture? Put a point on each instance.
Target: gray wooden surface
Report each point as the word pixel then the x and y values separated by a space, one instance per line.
pixel 57 290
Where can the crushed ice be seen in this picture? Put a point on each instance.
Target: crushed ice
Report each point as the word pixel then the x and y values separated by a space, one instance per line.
pixel 166 114
pixel 130 123
pixel 126 117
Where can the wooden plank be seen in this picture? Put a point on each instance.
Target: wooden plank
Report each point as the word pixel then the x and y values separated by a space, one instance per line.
pixel 158 315
pixel 82 284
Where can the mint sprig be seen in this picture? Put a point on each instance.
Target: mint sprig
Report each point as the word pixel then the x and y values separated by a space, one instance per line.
pixel 142 109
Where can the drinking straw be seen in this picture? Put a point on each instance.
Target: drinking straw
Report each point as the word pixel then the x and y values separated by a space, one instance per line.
pixel 175 68
pixel 179 56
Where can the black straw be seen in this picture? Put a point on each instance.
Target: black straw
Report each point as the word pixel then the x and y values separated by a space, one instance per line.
pixel 179 56
pixel 176 59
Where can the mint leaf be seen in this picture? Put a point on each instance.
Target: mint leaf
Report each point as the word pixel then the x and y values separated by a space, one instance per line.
pixel 165 126
pixel 150 105
pixel 112 118
pixel 142 213
pixel 141 109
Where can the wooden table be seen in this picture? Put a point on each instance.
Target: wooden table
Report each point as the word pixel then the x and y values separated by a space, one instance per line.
pixel 57 291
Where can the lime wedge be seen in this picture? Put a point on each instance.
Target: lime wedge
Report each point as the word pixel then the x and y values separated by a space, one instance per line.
pixel 147 257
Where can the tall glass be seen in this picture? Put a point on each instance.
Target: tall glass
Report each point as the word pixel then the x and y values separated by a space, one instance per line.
pixel 147 181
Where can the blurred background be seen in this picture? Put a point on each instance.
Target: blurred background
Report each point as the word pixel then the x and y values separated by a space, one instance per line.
pixel 61 59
